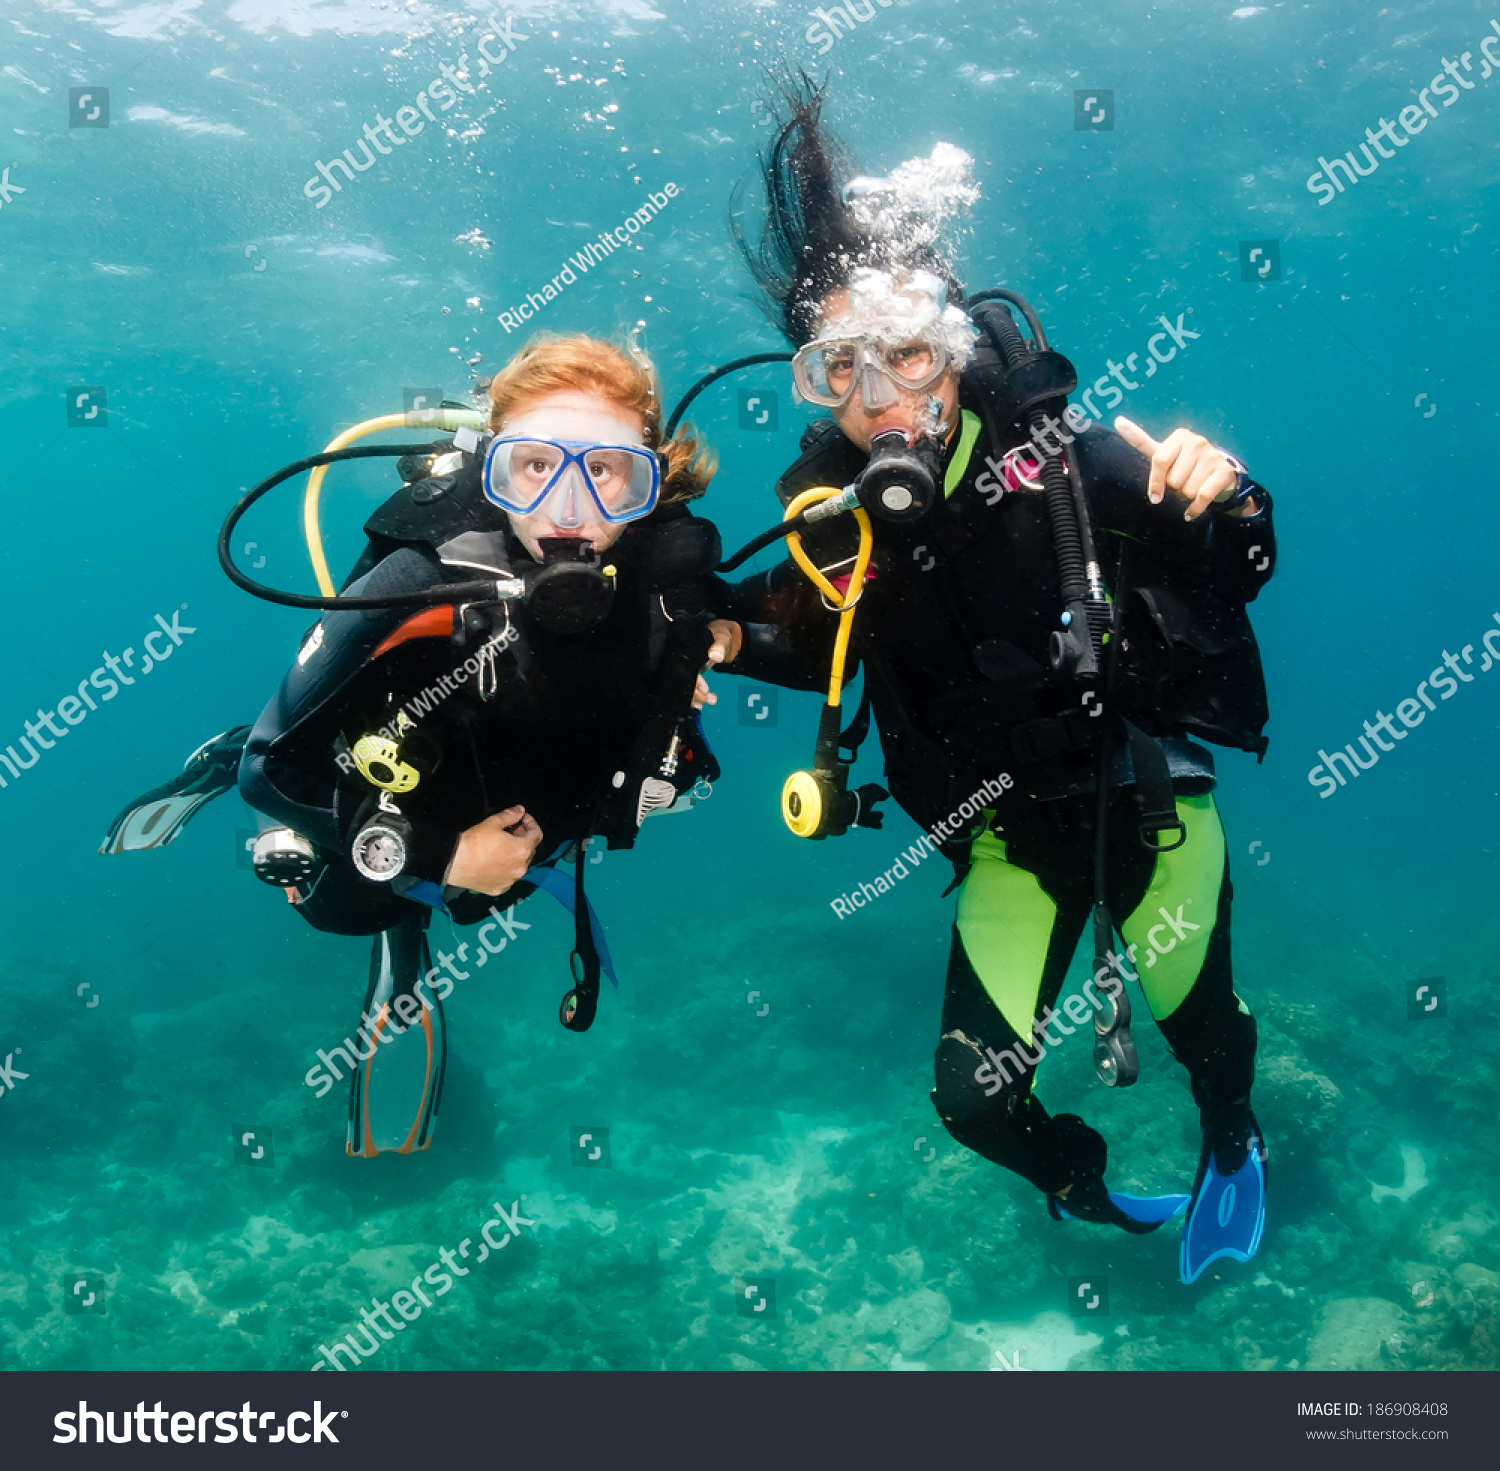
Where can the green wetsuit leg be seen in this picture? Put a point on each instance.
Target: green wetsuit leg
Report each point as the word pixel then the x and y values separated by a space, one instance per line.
pixel 1168 933
pixel 1178 940
pixel 1013 940
pixel 1006 920
pixel 1021 910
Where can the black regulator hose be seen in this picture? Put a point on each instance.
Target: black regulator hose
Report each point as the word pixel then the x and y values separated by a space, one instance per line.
pixel 759 543
pixel 713 377
pixel 458 592
pixel 1039 341
pixel 753 360
pixel 1012 348
pixel 1038 335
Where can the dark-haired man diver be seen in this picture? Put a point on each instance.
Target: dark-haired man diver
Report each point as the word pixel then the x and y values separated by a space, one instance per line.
pixel 970 671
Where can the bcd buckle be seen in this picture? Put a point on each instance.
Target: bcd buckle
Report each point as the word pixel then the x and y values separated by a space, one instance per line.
pixel 1158 826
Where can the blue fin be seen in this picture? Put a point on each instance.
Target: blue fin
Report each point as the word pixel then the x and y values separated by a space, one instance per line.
pixel 1150 1207
pixel 1228 1213
pixel 1147 1209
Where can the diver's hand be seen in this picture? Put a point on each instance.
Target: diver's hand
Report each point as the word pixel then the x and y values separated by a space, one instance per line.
pixel 726 649
pixel 495 854
pixel 1186 464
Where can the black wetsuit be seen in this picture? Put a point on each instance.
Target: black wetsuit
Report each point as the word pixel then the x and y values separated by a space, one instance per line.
pixel 953 632
pixel 544 720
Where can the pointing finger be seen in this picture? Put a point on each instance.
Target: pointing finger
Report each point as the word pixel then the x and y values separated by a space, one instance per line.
pixel 1135 436
pixel 1161 455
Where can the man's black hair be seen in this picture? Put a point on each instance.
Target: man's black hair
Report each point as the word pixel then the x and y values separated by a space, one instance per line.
pixel 811 243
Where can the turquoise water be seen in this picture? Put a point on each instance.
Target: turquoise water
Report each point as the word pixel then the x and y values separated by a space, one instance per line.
pixel 174 260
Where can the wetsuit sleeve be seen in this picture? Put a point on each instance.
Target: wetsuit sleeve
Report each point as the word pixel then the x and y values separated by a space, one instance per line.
pixel 291 767
pixel 430 850
pixel 1244 547
pixel 1235 555
pixel 297 788
pixel 783 642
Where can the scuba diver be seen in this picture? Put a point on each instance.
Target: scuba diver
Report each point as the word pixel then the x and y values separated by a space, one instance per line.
pixel 511 671
pixel 1050 615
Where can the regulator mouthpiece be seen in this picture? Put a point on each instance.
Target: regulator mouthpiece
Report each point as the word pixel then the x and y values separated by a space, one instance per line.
pixel 900 484
pixel 570 592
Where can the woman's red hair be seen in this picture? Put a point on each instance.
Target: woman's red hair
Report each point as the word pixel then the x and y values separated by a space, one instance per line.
pixel 558 364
